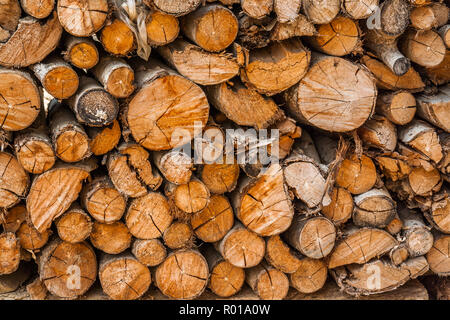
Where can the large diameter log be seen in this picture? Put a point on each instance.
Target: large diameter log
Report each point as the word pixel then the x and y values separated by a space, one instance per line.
pixel 357 175
pixel 112 238
pixel 174 7
pixel 334 95
pixel 117 38
pixel 435 108
pixel 267 282
pixel 439 255
pixel 10 257
pixel 115 75
pixel 104 139
pixel 149 252
pixel 74 225
pixel 399 107
pixel 14 181
pixel 374 208
pixel 161 28
pixel 310 276
pixel 321 12
pixel 81 52
pixel 281 256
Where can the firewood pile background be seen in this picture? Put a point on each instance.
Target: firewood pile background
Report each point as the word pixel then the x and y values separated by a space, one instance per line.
pixel 106 106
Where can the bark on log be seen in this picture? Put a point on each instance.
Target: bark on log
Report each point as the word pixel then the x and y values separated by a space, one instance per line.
pixel 435 108
pixel 417 237
pixel 399 107
pixel 116 76
pixel 174 7
pixel 81 52
pixel 374 208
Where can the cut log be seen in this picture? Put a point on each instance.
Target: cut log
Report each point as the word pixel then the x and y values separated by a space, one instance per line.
pixel 440 74
pixel 149 216
pixel 321 12
pixel 287 10
pixel 398 254
pixel 380 133
pixel 220 177
pixel 178 235
pixel 191 197
pixel 281 256
pixel 37 290
pixel 430 16
pixel 81 52
pixel 439 214
pixel 393 168
pixel 257 9
pixel 359 9
pixel 117 38
pixel 82 18
pixel 14 181
pixel 14 218
pixel 174 7
pixel 161 28
pixel 115 75
pixel 175 165
pixel 213 223
pixel 122 277
pixel 395 226
pixel 149 252
pixel 444 32
pixel 104 139
pixel 424 183
pixel 399 107
pixel 74 225
pixel 10 257
pixel 267 282
pixel 357 175
pixel 183 275
pixel 301 26
pixel 417 237
pixel 310 276
pixel 67 270
pixel 9 18
pixel 111 238
pixel 374 208
pixel 435 108
pixel 340 208
pixel 329 99
pixel 30 238
pixel 439 255
pixel 426 48
pixel 39 10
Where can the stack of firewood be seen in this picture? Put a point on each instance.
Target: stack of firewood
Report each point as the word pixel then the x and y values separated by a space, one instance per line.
pixel 105 104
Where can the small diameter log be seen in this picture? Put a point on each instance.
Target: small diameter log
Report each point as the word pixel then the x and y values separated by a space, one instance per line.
pixel 321 12
pixel 267 282
pixel 263 204
pixel 439 255
pixel 399 107
pixel 104 139
pixel 174 7
pixel 176 104
pixel 438 216
pixel 70 141
pixel 360 9
pixel 281 256
pixel 39 10
pixel 226 280
pixel 149 252
pixel 338 38
pixel 213 223
pixel 161 28
pixel 220 177
pixel 191 197
pixel 92 105
pixel 37 290
pixel 14 218
pixel 424 183
pixel 340 208
pixel 10 257
pixel 21 100
pixel 52 192
pixel 398 254
pixel 339 99
pixel 123 277
pixel 430 16
pixel 204 68
pixel 314 237
pixel 103 202
pixel 111 238
pixel 14 181
pixel 287 10
pixel 435 108
pixel 178 235
pixel 148 216
pixel 395 226
pixel 301 26
pixel 241 247
pixel 115 75
pixel 237 102
pixel 310 276
pixel 357 175
pixel 117 38
pixel 417 236
pixel 360 246
pixel 426 48
pixel 74 225
pixel 30 238
pixel 444 32
pixel 288 63
pixel 81 52
pixel 175 165
pixel 380 133
pixel 35 38
pixel 183 275
pixel 257 9
pixel 374 208
pixel 67 270
pixel 82 18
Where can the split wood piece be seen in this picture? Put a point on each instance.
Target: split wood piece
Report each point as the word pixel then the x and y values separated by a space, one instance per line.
pixel 281 256
pixel 440 74
pixel 301 26
pixel 395 226
pixel 175 165
pixel 263 204
pixel 431 16
pixel 386 79
pixel 52 192
pixel 444 165
pixel 420 182
pixel 444 32
pixel 344 88
pixel 161 28
pixel 220 177
pixel 178 235
pixel 174 7
pixel 213 223
pixel 327 148
pixel 378 276
pixel 14 181
pixel 11 282
pixel 374 208
pixel 74 225
pixel 20 99
pixel 393 168
pixel 417 236
pixel 39 10
pixel 103 202
pixel 204 68
pixel 288 63
pixel 92 105
pixel 225 279
pixel 340 208
pixel 177 104
pixel 257 9
pixel 191 197
pixel 310 276
pixel 422 137
pixel 312 236
pixel 321 12
pixel 112 238
pixel 70 141
pixel 359 9
pixel 10 257
pixel 237 102
pixel 212 27
pixel 35 40
pixel 380 133
pixel 67 270
pixel 104 139
pixel 267 282
pixel 357 174
pixel 14 217
pixel 338 38
pixel 288 132
pixel 399 106
pixel 241 247
pixel 399 254
pixel 10 13
pixel 426 48
pixel 81 52
pixel 149 216
pixel 117 38
pixel 439 214
pixel 413 157
pixel 435 108
pixel 115 75
pixel 183 275
pixel 34 150
pixel 439 255
pixel 286 10
pixel 149 252
pixel 37 290
pixel 82 18
pixel 360 246
pixel 123 277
